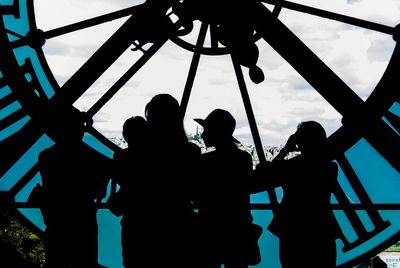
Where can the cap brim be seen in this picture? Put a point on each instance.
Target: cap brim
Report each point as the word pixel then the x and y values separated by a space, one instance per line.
pixel 202 122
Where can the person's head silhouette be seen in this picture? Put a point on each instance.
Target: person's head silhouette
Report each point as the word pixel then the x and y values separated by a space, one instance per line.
pixel 134 130
pixel 67 125
pixel 310 137
pixel 162 110
pixel 163 115
pixel 218 126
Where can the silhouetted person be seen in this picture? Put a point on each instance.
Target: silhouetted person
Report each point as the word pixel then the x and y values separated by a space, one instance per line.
pixel 161 225
pixel 127 163
pixel 227 234
pixel 304 221
pixel 73 177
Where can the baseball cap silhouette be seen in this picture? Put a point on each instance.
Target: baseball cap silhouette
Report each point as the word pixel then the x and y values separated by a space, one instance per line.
pixel 221 122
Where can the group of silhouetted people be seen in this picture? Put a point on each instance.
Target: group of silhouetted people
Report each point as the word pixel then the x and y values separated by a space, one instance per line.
pixel 181 208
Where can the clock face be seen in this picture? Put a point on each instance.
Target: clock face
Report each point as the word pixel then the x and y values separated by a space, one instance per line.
pixel 365 144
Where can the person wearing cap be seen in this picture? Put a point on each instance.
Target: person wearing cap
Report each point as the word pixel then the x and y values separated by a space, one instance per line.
pixel 304 221
pixel 223 197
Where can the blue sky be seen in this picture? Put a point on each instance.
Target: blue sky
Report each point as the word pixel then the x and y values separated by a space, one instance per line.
pixel 358 56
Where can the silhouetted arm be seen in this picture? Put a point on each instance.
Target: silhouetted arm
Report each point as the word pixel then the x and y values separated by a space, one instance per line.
pixel 290 146
pixel 270 175
pixel 195 174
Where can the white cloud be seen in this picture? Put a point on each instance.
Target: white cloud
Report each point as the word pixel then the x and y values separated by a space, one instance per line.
pixel 358 56
pixel 379 50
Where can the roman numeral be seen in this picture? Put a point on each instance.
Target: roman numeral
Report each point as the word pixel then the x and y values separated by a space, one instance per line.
pixel 362 195
pixel 11 9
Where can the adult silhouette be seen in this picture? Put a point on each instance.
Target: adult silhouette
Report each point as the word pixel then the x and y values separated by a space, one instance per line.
pixel 304 221
pixel 161 225
pixel 126 164
pixel 74 176
pixel 227 234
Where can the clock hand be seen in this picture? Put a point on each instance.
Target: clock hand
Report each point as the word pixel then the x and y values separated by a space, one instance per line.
pixel 124 79
pixel 305 62
pixel 97 64
pixel 253 124
pixel 324 80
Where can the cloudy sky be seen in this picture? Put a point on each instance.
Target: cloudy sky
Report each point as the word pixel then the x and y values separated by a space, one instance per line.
pixel 358 56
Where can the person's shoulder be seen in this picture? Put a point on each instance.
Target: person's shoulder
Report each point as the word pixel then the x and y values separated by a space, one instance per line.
pixel 243 154
pixel 121 153
pixel 193 148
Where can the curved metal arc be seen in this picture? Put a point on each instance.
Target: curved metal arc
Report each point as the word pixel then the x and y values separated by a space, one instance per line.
pixel 212 51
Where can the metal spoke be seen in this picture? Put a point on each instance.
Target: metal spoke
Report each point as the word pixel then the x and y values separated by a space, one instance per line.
pixel 91 22
pixel 278 8
pixel 327 83
pixel 193 68
pixel 333 16
pixel 96 65
pixel 124 79
pixel 214 39
pixel 252 122
pixel 305 62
